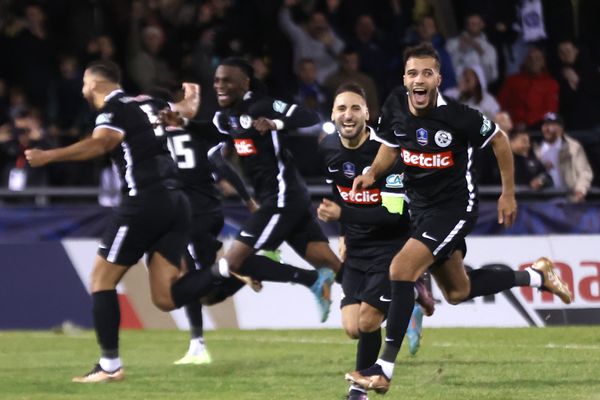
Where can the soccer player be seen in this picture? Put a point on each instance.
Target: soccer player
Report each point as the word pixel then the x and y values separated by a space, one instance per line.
pixel 198 157
pixel 255 122
pixel 154 215
pixel 375 224
pixel 435 139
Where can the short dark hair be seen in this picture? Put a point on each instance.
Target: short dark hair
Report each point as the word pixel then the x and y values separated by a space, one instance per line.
pixel 106 69
pixel 422 50
pixel 351 87
pixel 240 63
pixel 255 84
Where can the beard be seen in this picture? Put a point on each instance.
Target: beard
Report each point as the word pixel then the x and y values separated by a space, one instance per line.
pixel 358 128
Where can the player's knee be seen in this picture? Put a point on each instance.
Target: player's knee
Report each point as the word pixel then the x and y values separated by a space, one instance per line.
pixel 233 263
pixel 352 331
pixel 163 302
pixel 368 324
pixel 455 297
pixel 370 320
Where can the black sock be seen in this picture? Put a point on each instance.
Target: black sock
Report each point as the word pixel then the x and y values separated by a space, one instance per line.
pixel 264 269
pixel 367 349
pixel 403 302
pixel 107 317
pixel 193 311
pixel 490 279
pixel 522 278
pixel 192 286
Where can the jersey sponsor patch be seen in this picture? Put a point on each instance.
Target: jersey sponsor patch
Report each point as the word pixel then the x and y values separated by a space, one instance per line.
pixel 365 196
pixel 349 169
pixel 244 147
pixel 428 160
pixel 104 118
pixel 486 127
pixel 245 121
pixel 422 136
pixel 394 181
pixel 443 138
pixel 279 106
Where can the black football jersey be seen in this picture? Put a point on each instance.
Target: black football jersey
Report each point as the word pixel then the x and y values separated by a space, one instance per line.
pixel 190 152
pixel 372 218
pixel 437 149
pixel 142 158
pixel 265 159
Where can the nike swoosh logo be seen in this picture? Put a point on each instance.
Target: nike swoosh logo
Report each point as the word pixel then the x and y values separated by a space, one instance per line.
pixel 381 298
pixel 332 170
pixel 399 134
pixel 246 234
pixel 103 246
pixel 388 339
pixel 426 236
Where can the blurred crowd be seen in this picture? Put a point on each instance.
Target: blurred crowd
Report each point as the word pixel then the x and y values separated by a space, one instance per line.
pixel 531 65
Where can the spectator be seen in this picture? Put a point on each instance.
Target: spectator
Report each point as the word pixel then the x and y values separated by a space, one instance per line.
pixel 579 81
pixel 564 159
pixel 528 95
pixel 315 40
pixel 471 48
pixel 32 56
pixel 529 170
pixel 348 72
pixel 369 48
pixel 67 110
pixel 426 31
pixel 24 133
pixel 472 91
pixel 100 48
pixel 310 93
pixel 147 67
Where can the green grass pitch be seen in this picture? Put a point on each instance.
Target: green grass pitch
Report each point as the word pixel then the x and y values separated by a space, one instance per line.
pixel 540 364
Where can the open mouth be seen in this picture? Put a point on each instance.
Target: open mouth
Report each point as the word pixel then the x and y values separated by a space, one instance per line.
pixel 420 95
pixel 348 126
pixel 222 97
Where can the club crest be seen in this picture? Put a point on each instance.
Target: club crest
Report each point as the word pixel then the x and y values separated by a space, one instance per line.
pixel 443 138
pixel 245 121
pixel 422 136
pixel 349 169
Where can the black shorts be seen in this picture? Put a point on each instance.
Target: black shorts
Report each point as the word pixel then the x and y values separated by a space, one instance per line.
pixel 153 221
pixel 204 245
pixel 368 285
pixel 442 230
pixel 268 227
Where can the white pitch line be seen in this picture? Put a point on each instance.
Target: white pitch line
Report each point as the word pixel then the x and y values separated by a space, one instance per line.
pixel 567 346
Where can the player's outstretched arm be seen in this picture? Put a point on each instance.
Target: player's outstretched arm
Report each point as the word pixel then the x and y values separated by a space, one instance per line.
pixel 188 107
pixel 507 204
pixel 385 159
pixel 102 141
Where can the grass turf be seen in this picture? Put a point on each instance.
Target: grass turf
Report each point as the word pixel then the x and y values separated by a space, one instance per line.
pixel 549 363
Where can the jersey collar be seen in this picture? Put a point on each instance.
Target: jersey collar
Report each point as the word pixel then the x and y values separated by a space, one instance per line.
pixel 112 94
pixel 440 100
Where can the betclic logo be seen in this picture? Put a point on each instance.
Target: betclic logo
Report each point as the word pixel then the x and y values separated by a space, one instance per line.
pixel 244 147
pixel 365 196
pixel 428 160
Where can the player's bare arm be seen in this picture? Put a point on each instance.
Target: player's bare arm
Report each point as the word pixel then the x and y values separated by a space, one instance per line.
pixel 169 117
pixel 385 159
pixel 507 204
pixel 188 107
pixel 102 141
pixel 329 211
